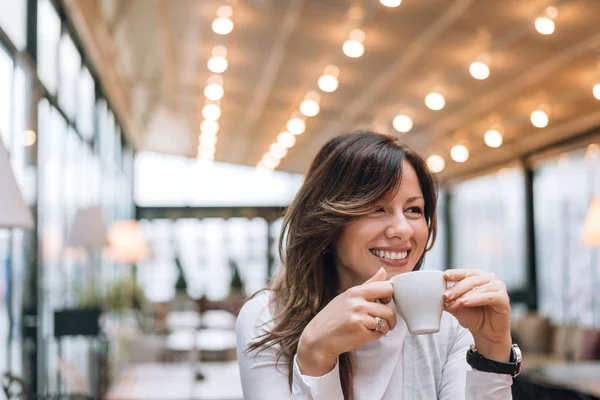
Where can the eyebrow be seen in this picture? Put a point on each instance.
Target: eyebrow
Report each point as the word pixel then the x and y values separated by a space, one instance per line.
pixel 414 198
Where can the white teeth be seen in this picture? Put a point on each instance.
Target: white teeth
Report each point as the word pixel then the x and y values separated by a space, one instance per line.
pixel 390 255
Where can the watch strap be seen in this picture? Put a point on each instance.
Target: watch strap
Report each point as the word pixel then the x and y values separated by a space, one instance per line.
pixel 480 363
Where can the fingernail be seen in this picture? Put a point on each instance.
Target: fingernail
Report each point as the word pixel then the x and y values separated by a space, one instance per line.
pixel 448 294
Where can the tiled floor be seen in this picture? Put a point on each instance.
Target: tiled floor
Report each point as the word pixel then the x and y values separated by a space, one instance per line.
pixel 222 382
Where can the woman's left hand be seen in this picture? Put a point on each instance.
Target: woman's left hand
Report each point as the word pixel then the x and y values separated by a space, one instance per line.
pixel 480 303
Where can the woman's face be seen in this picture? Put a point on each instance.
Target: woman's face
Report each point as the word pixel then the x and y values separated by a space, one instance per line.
pixel 394 237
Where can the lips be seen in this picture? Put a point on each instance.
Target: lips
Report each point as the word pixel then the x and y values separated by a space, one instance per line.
pixel 389 254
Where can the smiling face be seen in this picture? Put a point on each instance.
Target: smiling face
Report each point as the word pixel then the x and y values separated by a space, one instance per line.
pixel 393 237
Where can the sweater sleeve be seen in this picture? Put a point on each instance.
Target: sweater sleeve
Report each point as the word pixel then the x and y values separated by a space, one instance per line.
pixel 265 378
pixel 460 381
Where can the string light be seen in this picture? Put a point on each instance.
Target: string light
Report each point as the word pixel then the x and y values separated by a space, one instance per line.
pixel 286 139
pixel 296 125
pixel 596 91
pixel 539 118
pixel 436 163
pixel 353 47
pixel 459 153
pixel 310 105
pixel 493 137
pixel 480 69
pixel 217 63
pixel 211 111
pixel 223 25
pixel 209 127
pixel 545 24
pixel 214 88
pixel 277 151
pixel 402 123
pixel 435 101
pixel 391 3
pixel 328 82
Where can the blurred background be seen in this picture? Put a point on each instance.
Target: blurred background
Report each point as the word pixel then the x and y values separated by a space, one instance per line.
pixel 148 149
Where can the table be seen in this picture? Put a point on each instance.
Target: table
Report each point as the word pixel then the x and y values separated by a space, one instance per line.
pixel 204 339
pixel 222 382
pixel 583 377
pixel 154 381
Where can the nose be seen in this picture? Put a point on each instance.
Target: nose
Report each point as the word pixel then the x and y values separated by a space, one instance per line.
pixel 399 227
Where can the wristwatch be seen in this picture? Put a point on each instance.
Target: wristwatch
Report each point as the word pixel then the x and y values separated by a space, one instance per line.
pixel 480 363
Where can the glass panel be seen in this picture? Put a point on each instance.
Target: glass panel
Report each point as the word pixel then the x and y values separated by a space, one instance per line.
pixel 13 21
pixel 85 107
pixel 568 272
pixel 69 66
pixel 6 104
pixel 48 37
pixel 488 226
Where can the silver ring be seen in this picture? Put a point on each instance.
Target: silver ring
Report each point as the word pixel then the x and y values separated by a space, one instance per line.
pixel 379 323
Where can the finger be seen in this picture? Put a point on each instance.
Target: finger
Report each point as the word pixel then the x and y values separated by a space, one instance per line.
pixel 460 274
pixel 371 324
pixel 374 290
pixel 382 311
pixel 498 300
pixel 379 276
pixel 468 284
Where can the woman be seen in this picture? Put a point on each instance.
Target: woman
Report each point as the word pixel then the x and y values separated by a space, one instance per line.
pixel 365 213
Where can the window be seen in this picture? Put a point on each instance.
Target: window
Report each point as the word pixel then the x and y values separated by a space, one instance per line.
pixel 86 103
pixel 13 21
pixel 488 226
pixel 568 272
pixel 6 103
pixel 69 65
pixel 48 37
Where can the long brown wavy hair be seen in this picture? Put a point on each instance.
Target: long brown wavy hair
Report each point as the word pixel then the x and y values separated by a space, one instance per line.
pixel 350 177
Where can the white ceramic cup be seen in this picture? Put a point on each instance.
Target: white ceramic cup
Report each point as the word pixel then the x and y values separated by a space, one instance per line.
pixel 419 299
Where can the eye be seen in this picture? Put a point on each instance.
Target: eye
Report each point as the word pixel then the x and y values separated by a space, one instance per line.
pixel 415 210
pixel 380 210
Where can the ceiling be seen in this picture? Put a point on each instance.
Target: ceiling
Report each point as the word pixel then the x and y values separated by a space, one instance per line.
pixel 153 56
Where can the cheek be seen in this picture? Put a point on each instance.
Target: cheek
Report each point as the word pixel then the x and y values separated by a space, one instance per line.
pixel 421 232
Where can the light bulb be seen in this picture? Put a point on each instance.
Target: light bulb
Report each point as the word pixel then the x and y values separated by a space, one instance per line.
pixel 286 139
pixel 596 91
pixel 539 118
pixel 391 3
pixel 224 11
pixel 270 162
pixel 29 138
pixel 277 151
pixel 592 152
pixel 207 141
pixel 493 138
pixel 211 112
pixel 479 70
pixel 459 153
pixel 296 125
pixel 217 64
pixel 328 83
pixel 209 127
pixel 222 26
pixel 353 48
pixel 310 105
pixel 436 163
pixel 402 123
pixel 435 101
pixel 544 25
pixel 214 92
pixel 206 154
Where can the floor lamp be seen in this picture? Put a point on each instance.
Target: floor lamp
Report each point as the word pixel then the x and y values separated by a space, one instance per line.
pixel 591 238
pixel 14 213
pixel 88 231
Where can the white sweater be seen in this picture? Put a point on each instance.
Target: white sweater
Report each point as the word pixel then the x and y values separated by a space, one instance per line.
pixel 397 366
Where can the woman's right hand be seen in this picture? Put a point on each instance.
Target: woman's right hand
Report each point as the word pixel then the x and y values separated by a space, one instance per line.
pixel 345 324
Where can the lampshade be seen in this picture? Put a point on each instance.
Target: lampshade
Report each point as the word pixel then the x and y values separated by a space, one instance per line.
pixel 88 229
pixel 591 228
pixel 14 212
pixel 126 243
